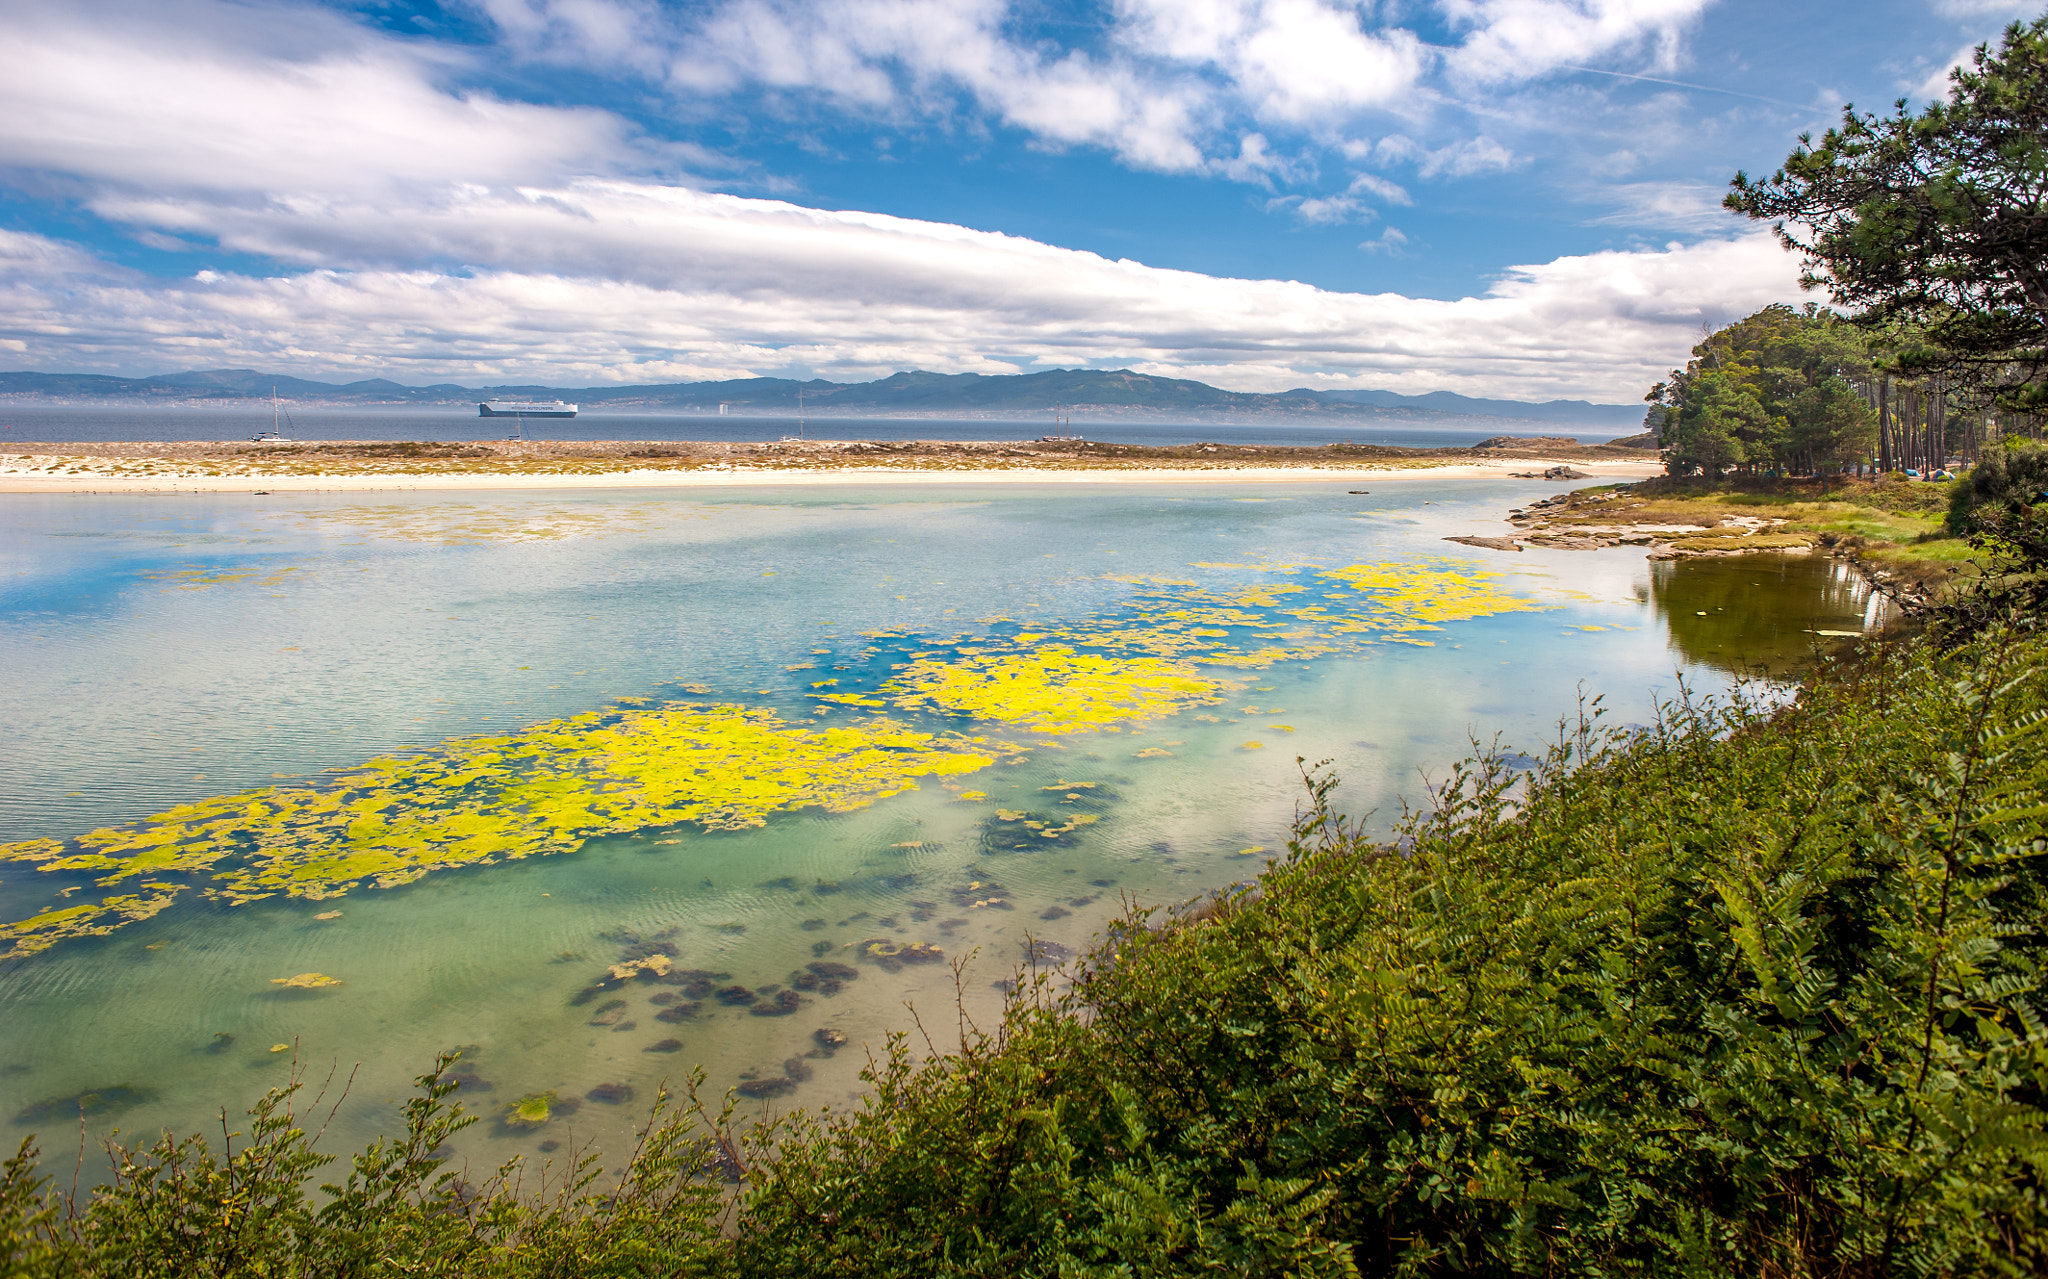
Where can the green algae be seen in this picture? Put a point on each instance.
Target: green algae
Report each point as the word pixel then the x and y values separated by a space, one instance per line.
pixel 480 800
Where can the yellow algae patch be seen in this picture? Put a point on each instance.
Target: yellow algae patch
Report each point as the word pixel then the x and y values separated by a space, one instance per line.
pixel 1253 746
pixel 972 796
pixel 306 981
pixel 328 914
pixel 1054 689
pixel 1435 592
pixel 480 800
pixel 97 919
pixel 1153 752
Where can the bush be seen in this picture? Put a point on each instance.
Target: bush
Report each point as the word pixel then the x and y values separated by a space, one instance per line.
pixel 2007 480
pixel 1750 991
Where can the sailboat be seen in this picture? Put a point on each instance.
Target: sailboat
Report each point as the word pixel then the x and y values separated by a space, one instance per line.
pixel 798 437
pixel 273 435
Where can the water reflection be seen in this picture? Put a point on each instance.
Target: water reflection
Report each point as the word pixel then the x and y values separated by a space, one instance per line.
pixel 1768 612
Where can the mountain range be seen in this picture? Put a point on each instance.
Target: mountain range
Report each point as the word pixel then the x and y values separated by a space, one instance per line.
pixel 1093 393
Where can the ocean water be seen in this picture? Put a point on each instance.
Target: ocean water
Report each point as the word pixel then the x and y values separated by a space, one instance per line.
pixel 1093 696
pixel 93 424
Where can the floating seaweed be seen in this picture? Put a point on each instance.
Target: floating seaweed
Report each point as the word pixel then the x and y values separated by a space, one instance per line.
pixel 532 1110
pixel 480 800
pixel 306 981
pixel 651 966
pixel 641 766
pixel 892 955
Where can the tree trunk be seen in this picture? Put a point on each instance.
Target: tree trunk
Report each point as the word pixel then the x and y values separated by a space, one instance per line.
pixel 1884 425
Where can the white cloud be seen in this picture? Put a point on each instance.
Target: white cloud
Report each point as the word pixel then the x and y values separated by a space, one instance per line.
pixel 1521 39
pixel 1687 206
pixel 456 235
pixel 1389 241
pixel 1290 60
pixel 286 102
pixel 1463 159
pixel 613 281
pixel 1987 8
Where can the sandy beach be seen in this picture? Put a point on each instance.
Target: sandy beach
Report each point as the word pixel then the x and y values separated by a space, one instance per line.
pixel 89 469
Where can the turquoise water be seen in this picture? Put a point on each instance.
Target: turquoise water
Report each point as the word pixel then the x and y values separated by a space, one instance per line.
pixel 165 650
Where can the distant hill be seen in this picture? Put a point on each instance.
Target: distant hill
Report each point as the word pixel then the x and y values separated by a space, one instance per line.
pixel 1090 392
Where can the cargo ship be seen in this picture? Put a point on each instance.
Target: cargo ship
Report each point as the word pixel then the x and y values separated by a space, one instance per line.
pixel 525 408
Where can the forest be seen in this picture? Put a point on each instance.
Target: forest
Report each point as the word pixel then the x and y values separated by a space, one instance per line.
pixel 1807 392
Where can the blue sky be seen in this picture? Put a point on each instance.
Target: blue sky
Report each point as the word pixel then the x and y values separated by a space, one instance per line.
pixel 1500 197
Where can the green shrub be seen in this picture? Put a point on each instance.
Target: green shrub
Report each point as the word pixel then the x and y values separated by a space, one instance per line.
pixel 178 1210
pixel 1752 991
pixel 2007 479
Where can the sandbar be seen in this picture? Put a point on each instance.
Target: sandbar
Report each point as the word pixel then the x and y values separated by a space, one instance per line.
pixel 89 474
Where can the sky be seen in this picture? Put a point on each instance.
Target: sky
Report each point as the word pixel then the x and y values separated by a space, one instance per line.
pixel 1509 198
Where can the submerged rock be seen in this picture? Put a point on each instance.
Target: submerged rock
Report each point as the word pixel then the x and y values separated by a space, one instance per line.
pixel 759 1088
pixel 736 996
pixel 93 1102
pixel 664 1046
pixel 1039 951
pixel 829 1038
pixel 782 1005
pixel 678 1012
pixel 611 1094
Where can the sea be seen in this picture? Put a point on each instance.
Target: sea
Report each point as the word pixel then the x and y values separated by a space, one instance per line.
pixel 604 789
pixel 77 424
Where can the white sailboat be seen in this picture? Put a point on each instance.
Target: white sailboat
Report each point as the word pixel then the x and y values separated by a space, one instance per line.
pixel 273 435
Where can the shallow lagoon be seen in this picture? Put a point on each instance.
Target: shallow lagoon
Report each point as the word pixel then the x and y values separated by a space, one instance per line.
pixel 169 650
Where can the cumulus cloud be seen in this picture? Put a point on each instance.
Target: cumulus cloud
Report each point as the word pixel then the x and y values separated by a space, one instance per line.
pixel 293 102
pixel 614 281
pixel 436 232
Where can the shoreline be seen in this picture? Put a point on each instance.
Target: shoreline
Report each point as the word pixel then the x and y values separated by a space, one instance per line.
pixel 109 482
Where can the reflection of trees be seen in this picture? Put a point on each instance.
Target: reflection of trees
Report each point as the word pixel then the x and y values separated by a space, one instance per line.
pixel 1759 610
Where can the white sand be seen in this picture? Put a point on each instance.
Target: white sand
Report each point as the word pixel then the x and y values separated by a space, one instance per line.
pixel 734 476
